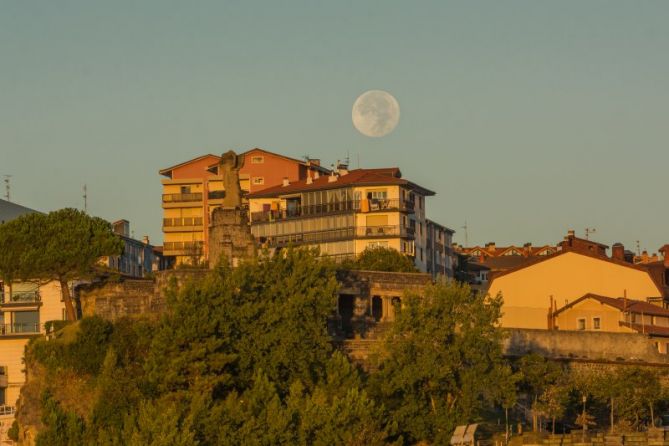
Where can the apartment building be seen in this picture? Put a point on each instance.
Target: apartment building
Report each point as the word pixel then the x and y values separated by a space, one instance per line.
pixel 24 309
pixel 193 189
pixel 139 258
pixel 346 212
pixel 440 256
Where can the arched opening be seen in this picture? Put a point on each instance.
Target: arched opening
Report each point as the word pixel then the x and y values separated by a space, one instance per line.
pixel 377 308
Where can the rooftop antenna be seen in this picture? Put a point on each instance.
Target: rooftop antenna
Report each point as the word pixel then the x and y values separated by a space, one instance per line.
pixel 638 248
pixel 589 231
pixel 465 227
pixel 8 187
pixel 85 199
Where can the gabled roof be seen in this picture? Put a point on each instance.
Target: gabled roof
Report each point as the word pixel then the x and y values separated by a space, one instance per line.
pixel 539 259
pixel 652 330
pixel 356 177
pixel 167 171
pixel 10 211
pixel 622 304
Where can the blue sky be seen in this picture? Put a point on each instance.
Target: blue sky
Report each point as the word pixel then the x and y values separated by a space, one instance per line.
pixel 527 118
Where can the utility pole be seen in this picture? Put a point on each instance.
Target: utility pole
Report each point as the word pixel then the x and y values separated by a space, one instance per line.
pixel 7 188
pixel 85 196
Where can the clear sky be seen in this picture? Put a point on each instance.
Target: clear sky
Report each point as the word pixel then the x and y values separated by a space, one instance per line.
pixel 527 118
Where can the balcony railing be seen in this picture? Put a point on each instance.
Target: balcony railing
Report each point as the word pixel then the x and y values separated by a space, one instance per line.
pixel 176 198
pixel 7 410
pixel 333 235
pixel 178 222
pixel 184 248
pixel 17 328
pixel 368 205
pixel 384 231
pixel 26 297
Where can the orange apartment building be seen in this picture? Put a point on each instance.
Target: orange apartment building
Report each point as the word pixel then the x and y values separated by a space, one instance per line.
pixel 193 189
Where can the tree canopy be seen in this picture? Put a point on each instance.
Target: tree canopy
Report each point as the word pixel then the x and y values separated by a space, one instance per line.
pixel 62 245
pixel 383 259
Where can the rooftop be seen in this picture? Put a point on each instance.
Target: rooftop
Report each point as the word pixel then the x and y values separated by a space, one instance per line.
pixel 356 177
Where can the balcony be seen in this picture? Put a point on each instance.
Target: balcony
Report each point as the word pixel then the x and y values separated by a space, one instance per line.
pixel 21 298
pixel 7 410
pixel 371 205
pixel 183 248
pixel 18 329
pixel 302 238
pixel 216 194
pixel 182 200
pixel 182 224
pixel 384 231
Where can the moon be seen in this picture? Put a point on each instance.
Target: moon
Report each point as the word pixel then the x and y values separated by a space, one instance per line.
pixel 376 113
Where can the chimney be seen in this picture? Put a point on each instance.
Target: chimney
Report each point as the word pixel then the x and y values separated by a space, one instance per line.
pixel 145 240
pixel 665 253
pixel 618 252
pixel 332 178
pixel 528 249
pixel 490 246
pixel 285 182
pixel 309 180
pixel 315 162
pixel 316 175
pixel 571 233
pixel 121 227
pixel 342 169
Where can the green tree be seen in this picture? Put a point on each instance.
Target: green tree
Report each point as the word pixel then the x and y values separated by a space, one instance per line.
pixel 63 245
pixel 443 363
pixel 383 259
pixel 538 373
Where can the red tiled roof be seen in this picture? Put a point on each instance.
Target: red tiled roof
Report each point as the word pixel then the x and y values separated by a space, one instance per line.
pixel 357 177
pixel 652 330
pixel 622 304
pixel 167 170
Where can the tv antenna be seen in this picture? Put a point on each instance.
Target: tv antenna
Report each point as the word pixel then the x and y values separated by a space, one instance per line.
pixel 85 196
pixel 589 231
pixel 8 187
pixel 465 227
pixel 638 248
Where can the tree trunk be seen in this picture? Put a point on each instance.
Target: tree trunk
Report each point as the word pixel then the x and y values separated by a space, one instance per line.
pixel 652 416
pixel 67 299
pixel 553 430
pixel 611 414
pixel 534 414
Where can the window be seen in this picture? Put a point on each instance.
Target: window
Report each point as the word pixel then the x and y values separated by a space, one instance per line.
pixel 257 159
pixel 258 180
pixel 580 324
pixel 2 396
pixel 596 323
pixel 185 189
pixel 26 321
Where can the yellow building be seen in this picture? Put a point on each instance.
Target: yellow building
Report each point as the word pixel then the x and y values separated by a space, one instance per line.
pixel 619 315
pixel 346 212
pixel 24 309
pixel 534 289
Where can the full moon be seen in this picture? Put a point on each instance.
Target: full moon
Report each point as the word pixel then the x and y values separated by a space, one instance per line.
pixel 376 113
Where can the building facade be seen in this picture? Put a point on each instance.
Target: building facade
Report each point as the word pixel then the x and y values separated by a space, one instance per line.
pixel 139 257
pixel 440 257
pixel 346 212
pixel 24 309
pixel 617 315
pixel 193 189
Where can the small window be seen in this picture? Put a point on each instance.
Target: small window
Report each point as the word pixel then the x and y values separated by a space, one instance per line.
pixel 258 180
pixel 580 324
pixel 596 323
pixel 185 189
pixel 257 159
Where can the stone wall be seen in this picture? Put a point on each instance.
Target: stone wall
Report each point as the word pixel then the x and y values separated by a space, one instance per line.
pixel 230 237
pixel 588 346
pixel 133 297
